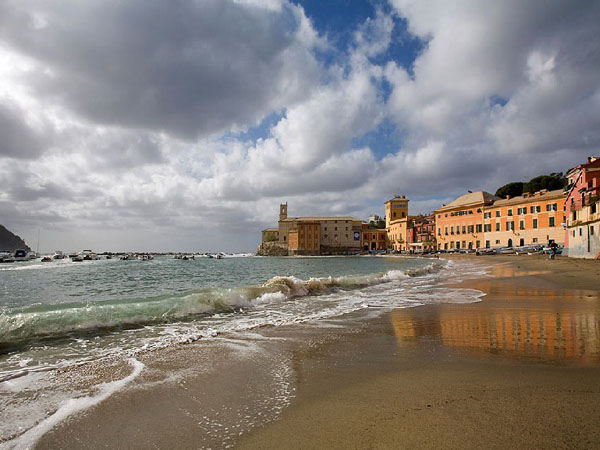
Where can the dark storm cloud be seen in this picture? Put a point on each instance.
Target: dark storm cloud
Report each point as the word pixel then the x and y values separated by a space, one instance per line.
pixel 185 67
pixel 19 140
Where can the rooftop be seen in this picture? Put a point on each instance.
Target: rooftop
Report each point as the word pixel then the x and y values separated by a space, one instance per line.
pixel 530 198
pixel 317 218
pixel 470 199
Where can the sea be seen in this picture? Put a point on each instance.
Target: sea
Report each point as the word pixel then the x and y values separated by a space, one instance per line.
pixel 59 317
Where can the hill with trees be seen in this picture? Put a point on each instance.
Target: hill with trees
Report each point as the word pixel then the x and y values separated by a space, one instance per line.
pixel 11 242
pixel 550 182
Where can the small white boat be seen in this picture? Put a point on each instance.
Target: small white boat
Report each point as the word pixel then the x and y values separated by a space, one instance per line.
pixel 6 257
pixel 58 255
pixel 89 255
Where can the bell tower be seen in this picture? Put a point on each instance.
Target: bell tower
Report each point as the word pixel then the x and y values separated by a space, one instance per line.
pixel 283 211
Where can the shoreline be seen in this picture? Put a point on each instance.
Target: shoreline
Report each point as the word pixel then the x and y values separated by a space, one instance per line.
pixel 500 373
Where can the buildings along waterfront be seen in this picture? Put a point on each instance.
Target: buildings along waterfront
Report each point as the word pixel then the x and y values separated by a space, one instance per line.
pixel 569 217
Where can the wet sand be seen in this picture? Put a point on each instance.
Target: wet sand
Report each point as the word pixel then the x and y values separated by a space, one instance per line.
pixel 521 369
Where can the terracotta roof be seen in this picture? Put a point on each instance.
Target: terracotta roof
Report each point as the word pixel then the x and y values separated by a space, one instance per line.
pixel 531 199
pixel 470 199
pixel 270 229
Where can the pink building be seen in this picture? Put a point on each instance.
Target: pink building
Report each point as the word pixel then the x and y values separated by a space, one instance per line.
pixel 583 187
pixel 421 233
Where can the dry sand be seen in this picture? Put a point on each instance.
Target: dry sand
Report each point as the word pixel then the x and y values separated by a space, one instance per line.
pixel 519 370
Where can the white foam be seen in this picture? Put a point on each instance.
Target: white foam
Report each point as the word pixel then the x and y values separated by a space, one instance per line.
pixel 70 407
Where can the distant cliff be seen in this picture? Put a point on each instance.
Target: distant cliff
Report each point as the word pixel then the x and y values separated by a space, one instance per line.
pixel 11 242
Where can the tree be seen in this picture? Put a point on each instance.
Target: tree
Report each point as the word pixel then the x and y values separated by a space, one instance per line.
pixel 550 182
pixel 513 189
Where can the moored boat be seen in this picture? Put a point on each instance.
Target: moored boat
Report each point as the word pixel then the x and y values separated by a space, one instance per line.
pixel 22 255
pixel 6 257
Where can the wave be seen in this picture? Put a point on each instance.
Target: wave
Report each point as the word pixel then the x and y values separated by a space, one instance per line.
pixel 19 327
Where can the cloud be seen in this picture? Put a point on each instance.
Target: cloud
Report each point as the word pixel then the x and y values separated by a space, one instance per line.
pixel 187 69
pixel 19 138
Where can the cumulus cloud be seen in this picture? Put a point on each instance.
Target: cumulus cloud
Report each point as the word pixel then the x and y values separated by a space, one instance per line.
pixel 188 68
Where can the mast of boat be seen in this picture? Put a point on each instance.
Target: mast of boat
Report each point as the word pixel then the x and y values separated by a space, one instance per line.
pixel 37 251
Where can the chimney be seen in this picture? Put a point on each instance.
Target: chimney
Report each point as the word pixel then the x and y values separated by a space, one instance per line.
pixel 508 197
pixel 526 194
pixel 591 159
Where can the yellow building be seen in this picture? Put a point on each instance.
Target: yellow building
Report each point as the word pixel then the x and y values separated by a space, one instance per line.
pixel 528 219
pixel 396 219
pixel 459 224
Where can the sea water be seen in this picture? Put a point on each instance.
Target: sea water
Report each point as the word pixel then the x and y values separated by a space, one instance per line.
pixel 61 314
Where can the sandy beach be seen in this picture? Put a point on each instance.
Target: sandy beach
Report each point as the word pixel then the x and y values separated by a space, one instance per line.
pixel 520 369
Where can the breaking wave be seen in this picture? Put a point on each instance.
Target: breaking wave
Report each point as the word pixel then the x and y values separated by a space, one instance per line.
pixel 19 327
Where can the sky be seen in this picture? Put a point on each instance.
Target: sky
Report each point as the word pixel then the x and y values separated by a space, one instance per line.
pixel 181 126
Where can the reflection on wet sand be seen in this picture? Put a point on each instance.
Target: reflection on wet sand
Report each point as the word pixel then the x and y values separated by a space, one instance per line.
pixel 513 321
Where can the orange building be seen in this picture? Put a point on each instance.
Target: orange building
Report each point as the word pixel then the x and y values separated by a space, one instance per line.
pixel 305 239
pixel 374 238
pixel 528 219
pixel 459 224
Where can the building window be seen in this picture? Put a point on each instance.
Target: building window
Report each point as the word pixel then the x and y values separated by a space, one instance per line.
pixel 592 230
pixel 335 229
pixel 470 228
pixel 478 228
pixel 464 229
pixel 521 224
pixel 551 222
pixel 497 213
pixel 446 231
pixel 498 226
pixel 510 212
pixel 445 246
pixel 497 241
pixel 579 231
pixel 535 223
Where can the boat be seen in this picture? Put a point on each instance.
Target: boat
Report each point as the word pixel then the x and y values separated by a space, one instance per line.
pixel 89 255
pixel 76 257
pixel 6 257
pixel 22 255
pixel 46 259
pixel 58 255
pixel 127 257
